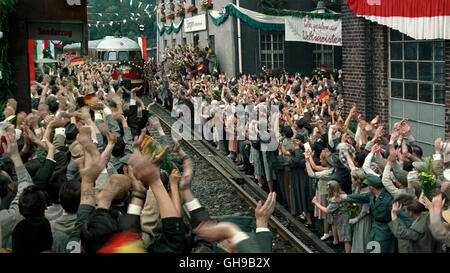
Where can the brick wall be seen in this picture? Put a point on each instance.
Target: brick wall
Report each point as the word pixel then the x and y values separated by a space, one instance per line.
pixel 447 89
pixel 364 63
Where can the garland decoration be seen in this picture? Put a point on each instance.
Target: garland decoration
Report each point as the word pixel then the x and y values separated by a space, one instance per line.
pixel 169 29
pixel 181 12
pixel 297 13
pixel 207 5
pixel 130 64
pixel 274 3
pixel 191 9
pixel 249 17
pixel 171 16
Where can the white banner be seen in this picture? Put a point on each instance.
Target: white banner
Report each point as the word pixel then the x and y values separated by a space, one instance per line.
pixel 316 31
pixel 195 23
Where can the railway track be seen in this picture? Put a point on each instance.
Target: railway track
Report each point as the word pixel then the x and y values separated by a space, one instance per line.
pixel 288 228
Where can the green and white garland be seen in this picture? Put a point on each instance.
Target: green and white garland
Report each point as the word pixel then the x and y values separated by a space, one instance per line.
pixel 168 29
pixel 130 64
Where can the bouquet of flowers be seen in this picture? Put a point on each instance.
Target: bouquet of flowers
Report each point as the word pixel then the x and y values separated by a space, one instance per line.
pixel 191 9
pixel 163 18
pixel 274 3
pixel 207 4
pixel 427 177
pixel 171 16
pixel 325 72
pixel 172 6
pixel 163 10
pixel 353 210
pixel 181 12
pixel 276 72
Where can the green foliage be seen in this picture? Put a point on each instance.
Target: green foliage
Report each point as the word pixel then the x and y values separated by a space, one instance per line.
pixel 301 14
pixel 6 83
pixel 129 29
pixel 427 177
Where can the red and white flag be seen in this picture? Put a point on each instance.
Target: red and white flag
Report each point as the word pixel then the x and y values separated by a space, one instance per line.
pixel 419 19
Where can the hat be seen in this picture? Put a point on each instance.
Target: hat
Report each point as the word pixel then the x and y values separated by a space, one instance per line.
pixel 333 160
pixel 32 235
pixel 373 180
pixel 358 174
pixel 343 149
pixel 214 102
pixel 76 150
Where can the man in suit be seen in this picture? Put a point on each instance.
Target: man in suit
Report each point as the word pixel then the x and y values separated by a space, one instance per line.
pixel 380 206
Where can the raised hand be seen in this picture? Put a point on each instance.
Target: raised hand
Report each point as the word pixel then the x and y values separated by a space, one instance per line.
pixel 136 185
pixel 139 139
pixel 264 212
pixel 396 207
pixel 145 169
pixel 93 162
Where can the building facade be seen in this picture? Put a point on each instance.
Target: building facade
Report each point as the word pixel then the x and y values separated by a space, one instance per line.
pixel 392 75
pixel 258 48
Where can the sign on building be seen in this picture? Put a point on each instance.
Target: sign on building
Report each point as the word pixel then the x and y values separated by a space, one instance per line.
pixel 316 31
pixel 55 31
pixel 195 23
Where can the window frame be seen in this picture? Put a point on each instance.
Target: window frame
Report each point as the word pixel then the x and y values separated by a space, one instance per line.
pixel 279 42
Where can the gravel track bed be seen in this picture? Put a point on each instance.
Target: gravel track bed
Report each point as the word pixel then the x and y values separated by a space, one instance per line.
pixel 212 190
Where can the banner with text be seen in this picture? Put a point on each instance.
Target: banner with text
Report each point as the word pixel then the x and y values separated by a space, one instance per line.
pixel 196 23
pixel 311 30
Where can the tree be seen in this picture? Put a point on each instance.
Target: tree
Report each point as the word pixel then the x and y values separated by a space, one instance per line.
pixel 128 29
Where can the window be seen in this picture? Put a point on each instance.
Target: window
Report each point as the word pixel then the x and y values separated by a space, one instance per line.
pixel 135 56
pixel 323 55
pixel 123 55
pixel 271 49
pixel 184 41
pixel 112 56
pixel 417 87
pixel 416 68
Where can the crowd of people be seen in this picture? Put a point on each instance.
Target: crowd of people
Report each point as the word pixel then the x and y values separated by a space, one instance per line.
pixel 76 175
pixel 82 173
pixel 371 188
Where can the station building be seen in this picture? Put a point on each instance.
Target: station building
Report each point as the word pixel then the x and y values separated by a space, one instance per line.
pixel 241 47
